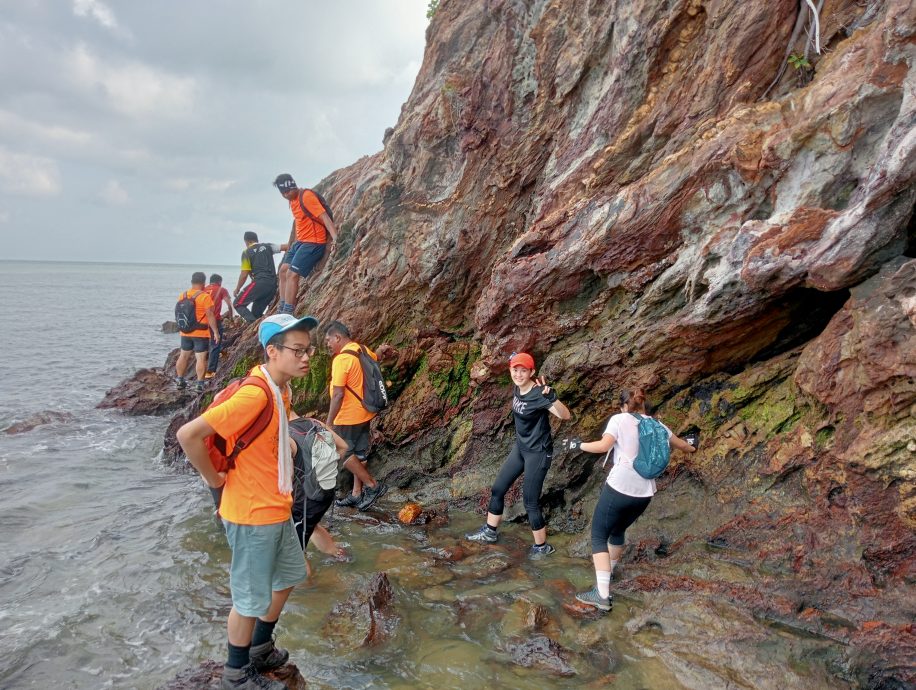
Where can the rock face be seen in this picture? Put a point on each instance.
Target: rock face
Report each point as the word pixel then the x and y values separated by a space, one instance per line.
pixel 612 187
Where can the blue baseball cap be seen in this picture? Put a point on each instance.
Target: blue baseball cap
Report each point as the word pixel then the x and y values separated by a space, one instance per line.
pixel 280 323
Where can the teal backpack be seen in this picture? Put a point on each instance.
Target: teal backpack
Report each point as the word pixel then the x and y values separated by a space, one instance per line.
pixel 654 450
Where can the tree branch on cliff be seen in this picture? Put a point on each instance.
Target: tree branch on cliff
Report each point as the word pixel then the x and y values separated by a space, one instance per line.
pixel 804 7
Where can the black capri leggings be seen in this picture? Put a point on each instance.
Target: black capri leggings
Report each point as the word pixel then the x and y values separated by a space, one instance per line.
pixel 535 466
pixel 613 514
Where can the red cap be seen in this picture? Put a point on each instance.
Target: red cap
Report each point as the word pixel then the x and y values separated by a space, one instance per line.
pixel 522 359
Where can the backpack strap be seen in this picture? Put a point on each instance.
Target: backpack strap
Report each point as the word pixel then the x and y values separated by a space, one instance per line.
pixel 305 210
pixel 350 352
pixel 636 416
pixel 260 423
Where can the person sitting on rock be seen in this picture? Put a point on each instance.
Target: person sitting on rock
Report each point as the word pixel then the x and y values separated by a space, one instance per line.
pixel 256 504
pixel 347 416
pixel 532 404
pixel 625 495
pixel 258 264
pixel 198 333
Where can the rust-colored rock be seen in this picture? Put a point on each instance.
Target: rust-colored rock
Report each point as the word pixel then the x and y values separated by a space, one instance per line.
pixel 410 513
pixel 415 514
pixel 367 618
pixel 208 674
pixel 148 392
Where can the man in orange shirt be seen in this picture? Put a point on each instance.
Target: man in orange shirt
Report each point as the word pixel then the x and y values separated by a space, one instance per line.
pixel 256 504
pixel 196 338
pixel 347 416
pixel 312 225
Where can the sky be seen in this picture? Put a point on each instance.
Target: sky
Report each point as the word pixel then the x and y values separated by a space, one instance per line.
pixel 152 131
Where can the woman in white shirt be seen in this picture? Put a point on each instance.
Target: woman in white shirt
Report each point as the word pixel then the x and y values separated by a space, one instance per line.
pixel 624 496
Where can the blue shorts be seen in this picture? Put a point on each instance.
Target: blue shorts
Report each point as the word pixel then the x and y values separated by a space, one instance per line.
pixel 288 254
pixel 265 559
pixel 305 257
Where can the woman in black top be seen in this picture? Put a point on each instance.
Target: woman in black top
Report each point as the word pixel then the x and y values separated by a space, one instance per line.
pixel 532 405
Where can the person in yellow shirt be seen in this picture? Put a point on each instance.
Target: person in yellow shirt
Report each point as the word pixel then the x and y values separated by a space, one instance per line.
pixel 347 416
pixel 256 503
pixel 197 337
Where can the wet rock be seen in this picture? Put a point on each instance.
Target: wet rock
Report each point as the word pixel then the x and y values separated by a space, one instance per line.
pixel 526 617
pixel 541 653
pixel 208 674
pixel 38 419
pixel 483 565
pixel 147 392
pixel 367 618
pixel 169 327
pixel 410 571
pixel 415 514
pixel 599 652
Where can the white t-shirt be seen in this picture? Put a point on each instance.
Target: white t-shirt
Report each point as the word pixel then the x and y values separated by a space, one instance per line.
pixel 623 478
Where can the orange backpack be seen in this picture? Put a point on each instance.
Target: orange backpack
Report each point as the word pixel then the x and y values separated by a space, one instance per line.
pixel 216 444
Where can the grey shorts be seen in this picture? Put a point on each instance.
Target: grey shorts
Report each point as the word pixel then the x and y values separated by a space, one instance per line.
pixel 265 559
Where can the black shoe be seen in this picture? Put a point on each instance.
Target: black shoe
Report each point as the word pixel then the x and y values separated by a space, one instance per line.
pixel 247 678
pixel 180 382
pixel 348 501
pixel 485 534
pixel 370 494
pixel 267 656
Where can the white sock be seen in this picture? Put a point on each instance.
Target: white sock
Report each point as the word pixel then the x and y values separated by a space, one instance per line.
pixel 613 565
pixel 604 582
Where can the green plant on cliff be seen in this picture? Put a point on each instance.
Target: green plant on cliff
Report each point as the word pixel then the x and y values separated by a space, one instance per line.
pixel 432 8
pixel 798 61
pixel 453 383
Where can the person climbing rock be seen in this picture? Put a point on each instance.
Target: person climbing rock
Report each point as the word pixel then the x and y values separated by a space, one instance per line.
pixel 220 296
pixel 533 402
pixel 197 326
pixel 258 265
pixel 313 226
pixel 625 495
pixel 348 416
pixel 256 503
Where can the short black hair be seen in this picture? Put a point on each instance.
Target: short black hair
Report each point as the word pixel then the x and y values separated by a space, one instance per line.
pixel 198 278
pixel 251 236
pixel 280 338
pixel 337 328
pixel 216 278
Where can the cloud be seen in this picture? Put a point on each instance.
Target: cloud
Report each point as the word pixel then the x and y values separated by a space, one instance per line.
pixel 132 88
pixel 27 175
pixel 96 10
pixel 20 128
pixel 114 194
pixel 184 184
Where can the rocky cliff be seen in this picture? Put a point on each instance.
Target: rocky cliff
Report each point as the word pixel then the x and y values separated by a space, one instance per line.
pixel 619 188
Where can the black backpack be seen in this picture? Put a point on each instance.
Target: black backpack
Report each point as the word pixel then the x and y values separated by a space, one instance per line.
pixel 315 464
pixel 375 395
pixel 327 208
pixel 186 313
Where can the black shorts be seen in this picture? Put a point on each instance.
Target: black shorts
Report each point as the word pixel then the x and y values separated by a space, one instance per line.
pixel 357 438
pixel 313 511
pixel 197 344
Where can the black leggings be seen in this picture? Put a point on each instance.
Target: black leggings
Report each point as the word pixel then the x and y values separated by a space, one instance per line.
pixel 613 514
pixel 258 294
pixel 535 466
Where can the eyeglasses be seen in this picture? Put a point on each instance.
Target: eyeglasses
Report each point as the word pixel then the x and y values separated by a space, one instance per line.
pixel 300 352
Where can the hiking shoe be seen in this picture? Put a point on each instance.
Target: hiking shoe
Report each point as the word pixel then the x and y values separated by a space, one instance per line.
pixel 200 386
pixel 209 375
pixel 537 552
pixel 247 678
pixel 267 656
pixel 485 534
pixel 592 598
pixel 348 501
pixel 370 494
pixel 180 382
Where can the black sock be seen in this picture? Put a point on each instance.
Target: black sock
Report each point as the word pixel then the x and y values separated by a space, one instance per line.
pixel 492 527
pixel 263 631
pixel 541 544
pixel 238 656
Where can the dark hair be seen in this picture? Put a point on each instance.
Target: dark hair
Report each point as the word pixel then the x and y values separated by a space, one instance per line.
pixel 634 399
pixel 251 236
pixel 199 278
pixel 337 328
pixel 216 278
pixel 280 338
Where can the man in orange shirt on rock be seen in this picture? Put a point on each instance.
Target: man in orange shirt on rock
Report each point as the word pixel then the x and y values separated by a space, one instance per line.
pixel 195 330
pixel 347 416
pixel 312 225
pixel 256 503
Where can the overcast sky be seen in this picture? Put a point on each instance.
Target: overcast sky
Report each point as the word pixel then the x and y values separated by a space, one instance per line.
pixel 151 131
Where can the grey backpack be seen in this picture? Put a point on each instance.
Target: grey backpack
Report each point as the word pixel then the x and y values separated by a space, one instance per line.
pixel 315 464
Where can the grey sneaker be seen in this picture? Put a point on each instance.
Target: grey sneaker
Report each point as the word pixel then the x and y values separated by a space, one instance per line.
pixel 592 598
pixel 267 656
pixel 180 382
pixel 200 386
pixel 537 552
pixel 247 678
pixel 370 494
pixel 485 534
pixel 347 501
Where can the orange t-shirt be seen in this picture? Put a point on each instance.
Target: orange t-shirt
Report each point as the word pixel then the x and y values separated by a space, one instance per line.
pixel 250 495
pixel 347 371
pixel 308 230
pixel 202 302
